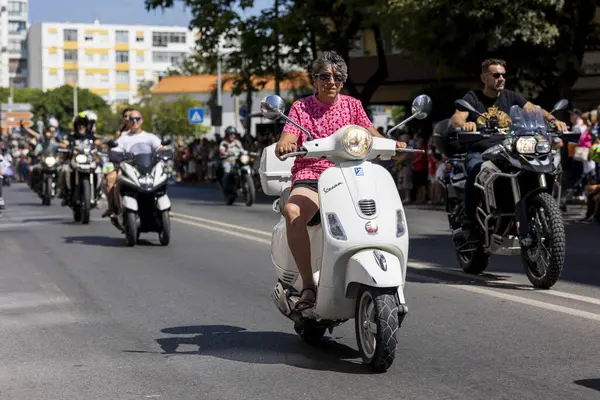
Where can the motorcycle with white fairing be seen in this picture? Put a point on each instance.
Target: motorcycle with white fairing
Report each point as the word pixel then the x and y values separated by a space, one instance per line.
pixel 142 186
pixel 358 238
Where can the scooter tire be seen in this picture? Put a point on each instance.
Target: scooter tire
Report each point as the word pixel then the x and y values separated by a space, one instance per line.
pixel 310 332
pixel 131 231
pixel 385 317
pixel 164 235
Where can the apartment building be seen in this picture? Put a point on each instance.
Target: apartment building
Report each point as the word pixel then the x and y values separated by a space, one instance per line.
pixel 109 60
pixel 13 35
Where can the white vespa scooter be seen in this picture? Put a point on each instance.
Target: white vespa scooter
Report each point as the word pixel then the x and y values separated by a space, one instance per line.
pixel 360 250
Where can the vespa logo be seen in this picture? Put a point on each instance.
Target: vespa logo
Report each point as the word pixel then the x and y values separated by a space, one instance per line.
pixel 329 189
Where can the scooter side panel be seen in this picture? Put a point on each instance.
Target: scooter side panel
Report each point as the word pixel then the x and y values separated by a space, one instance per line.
pixel 340 189
pixel 129 203
pixel 163 203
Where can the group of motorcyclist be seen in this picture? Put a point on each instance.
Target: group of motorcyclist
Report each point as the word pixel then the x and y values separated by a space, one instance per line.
pixel 322 114
pixel 131 132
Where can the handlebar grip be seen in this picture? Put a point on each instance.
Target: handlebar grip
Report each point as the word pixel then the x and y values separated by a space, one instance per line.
pixel 408 150
pixel 294 154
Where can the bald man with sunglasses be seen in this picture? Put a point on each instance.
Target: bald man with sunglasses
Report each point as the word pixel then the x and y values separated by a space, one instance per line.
pixel 125 141
pixel 492 101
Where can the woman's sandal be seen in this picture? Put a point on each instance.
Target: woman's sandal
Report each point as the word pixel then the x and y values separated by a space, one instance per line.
pixel 305 304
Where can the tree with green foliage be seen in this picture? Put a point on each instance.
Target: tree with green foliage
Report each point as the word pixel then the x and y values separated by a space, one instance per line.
pixel 302 28
pixel 59 104
pixel 543 41
pixel 170 116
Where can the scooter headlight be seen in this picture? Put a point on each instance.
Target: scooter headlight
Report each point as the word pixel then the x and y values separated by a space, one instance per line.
pixel 49 161
pixel 146 181
pixel 357 141
pixel 244 159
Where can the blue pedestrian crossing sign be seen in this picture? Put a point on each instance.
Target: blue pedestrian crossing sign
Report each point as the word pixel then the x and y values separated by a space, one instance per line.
pixel 195 116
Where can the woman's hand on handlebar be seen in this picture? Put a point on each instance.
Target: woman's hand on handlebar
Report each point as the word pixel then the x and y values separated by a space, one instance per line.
pixel 286 144
pixel 400 144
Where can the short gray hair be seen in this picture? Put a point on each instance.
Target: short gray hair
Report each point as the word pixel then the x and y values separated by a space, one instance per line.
pixel 329 58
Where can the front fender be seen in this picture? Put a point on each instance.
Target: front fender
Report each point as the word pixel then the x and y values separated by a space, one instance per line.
pixel 129 203
pixel 363 269
pixel 163 203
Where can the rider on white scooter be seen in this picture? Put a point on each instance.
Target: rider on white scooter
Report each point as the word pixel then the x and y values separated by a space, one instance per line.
pixel 322 114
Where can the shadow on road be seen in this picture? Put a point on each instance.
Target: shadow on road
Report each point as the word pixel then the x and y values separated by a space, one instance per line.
pixel 104 241
pixel 593 383
pixel 238 344
pixel 580 265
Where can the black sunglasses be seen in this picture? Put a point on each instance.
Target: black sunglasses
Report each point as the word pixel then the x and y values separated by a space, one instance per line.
pixel 137 119
pixel 497 75
pixel 326 76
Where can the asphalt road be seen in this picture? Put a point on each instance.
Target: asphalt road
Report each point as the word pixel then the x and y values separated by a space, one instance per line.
pixel 82 316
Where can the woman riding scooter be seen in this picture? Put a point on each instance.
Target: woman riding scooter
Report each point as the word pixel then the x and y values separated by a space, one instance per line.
pixel 321 114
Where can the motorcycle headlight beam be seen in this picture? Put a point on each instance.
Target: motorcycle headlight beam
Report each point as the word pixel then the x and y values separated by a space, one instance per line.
pixel 526 145
pixel 81 158
pixel 49 161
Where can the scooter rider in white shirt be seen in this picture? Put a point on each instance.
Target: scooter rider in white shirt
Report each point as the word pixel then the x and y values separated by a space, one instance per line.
pixel 125 141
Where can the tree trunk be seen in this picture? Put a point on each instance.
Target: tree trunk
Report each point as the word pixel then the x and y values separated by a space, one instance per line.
pixel 276 34
pixel 248 119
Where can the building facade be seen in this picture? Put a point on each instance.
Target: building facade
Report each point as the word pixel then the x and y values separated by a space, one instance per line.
pixel 109 60
pixel 13 40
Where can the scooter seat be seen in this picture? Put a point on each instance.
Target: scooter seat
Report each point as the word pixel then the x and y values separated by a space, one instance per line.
pixel 316 220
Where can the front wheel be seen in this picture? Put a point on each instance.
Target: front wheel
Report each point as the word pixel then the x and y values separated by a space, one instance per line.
pixel 249 190
pixel 131 233
pixel 377 327
pixel 165 234
pixel 85 201
pixel 47 192
pixel 544 262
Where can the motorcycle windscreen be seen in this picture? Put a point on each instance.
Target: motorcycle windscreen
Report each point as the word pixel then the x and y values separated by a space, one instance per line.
pixel 143 157
pixel 528 122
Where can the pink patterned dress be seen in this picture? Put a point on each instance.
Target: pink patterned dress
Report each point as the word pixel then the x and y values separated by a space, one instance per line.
pixel 321 120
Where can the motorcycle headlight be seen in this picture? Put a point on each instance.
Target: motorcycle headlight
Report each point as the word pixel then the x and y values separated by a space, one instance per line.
pixel 244 159
pixel 81 158
pixel 49 161
pixel 146 181
pixel 357 141
pixel 526 145
pixel 543 147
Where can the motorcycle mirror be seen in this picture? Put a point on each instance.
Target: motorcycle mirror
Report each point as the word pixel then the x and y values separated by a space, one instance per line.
pixel 560 105
pixel 111 143
pixel 272 107
pixel 462 105
pixel 421 106
pixel 166 142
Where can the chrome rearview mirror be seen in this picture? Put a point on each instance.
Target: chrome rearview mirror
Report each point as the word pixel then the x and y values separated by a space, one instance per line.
pixel 272 107
pixel 560 105
pixel 421 106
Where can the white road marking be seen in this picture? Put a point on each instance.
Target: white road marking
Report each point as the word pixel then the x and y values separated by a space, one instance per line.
pixel 521 286
pixel 215 226
pixel 223 224
pixel 225 231
pixel 60 300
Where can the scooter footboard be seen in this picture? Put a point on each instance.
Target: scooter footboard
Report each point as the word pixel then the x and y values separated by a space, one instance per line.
pixel 129 203
pixel 375 268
